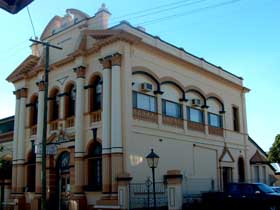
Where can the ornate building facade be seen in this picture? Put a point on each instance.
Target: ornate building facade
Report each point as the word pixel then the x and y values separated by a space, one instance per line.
pixel 115 93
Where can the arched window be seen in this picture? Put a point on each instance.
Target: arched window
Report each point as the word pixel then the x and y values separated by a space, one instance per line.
pixel 95 94
pixel 33 110
pixel 95 166
pixel 70 100
pixel 31 171
pixel 241 170
pixel 54 105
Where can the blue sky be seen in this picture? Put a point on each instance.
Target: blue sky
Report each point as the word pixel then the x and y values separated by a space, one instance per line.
pixel 242 36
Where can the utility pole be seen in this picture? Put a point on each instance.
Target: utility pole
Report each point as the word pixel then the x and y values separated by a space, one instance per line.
pixel 47 46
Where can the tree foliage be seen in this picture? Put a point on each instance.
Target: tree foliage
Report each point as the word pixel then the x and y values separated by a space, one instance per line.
pixel 274 151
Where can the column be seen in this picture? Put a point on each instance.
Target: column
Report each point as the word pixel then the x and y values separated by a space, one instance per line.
pixel 159 108
pixel 185 117
pixel 116 122
pixel 40 120
pixel 15 141
pixel 174 189
pixel 21 141
pixel 79 129
pixel 106 148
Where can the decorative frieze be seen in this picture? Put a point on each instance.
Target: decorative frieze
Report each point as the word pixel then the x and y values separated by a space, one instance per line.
pixel 106 62
pixel 41 85
pixel 116 59
pixel 17 94
pixel 23 92
pixel 80 71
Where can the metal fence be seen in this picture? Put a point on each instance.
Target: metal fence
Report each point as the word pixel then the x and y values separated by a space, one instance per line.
pixel 141 195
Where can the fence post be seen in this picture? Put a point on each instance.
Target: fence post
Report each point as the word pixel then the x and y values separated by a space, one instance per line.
pixel 123 190
pixel 174 189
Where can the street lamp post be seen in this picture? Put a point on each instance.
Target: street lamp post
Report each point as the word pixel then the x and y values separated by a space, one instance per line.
pixel 152 160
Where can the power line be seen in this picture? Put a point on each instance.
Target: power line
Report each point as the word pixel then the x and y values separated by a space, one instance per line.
pixel 188 13
pixel 150 9
pixel 33 28
pixel 154 10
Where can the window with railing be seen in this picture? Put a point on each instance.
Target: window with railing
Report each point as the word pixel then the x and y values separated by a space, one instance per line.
pixel 195 119
pixel 144 107
pixel 95 90
pixel 215 120
pixel 33 111
pixel 195 115
pixel 172 113
pixel 215 123
pixel 171 109
pixel 144 102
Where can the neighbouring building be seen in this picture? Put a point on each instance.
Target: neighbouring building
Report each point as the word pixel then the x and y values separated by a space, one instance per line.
pixel 113 94
pixel 6 142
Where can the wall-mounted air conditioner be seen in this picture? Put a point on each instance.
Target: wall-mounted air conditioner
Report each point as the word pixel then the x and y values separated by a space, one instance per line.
pixel 196 102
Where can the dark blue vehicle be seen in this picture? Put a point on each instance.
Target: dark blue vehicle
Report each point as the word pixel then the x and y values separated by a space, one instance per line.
pixel 244 196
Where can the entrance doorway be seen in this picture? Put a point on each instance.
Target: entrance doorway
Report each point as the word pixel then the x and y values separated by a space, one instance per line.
pixel 63 181
pixel 226 176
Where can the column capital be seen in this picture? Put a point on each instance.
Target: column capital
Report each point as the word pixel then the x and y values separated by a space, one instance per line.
pixel 41 85
pixel 106 62
pixel 116 59
pixel 17 93
pixel 80 71
pixel 23 92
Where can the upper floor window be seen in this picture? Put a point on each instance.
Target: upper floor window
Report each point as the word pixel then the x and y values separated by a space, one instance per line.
pixel 54 105
pixel 95 94
pixel 235 118
pixel 33 111
pixel 70 101
pixel 215 120
pixel 171 109
pixel 195 115
pixel 144 101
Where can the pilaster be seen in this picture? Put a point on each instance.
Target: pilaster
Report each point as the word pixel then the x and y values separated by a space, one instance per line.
pixel 106 126
pixel 116 122
pixel 79 128
pixel 40 120
pixel 15 141
pixel 21 141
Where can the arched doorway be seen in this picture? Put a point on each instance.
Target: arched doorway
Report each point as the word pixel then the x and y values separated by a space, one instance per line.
pixel 241 170
pixel 63 181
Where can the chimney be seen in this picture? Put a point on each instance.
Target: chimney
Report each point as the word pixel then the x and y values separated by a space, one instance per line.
pixel 102 17
pixel 35 48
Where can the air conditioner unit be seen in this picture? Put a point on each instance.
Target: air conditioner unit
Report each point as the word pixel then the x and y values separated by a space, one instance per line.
pixel 196 102
pixel 146 87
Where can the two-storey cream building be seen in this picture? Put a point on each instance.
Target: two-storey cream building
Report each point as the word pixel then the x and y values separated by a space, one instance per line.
pixel 115 93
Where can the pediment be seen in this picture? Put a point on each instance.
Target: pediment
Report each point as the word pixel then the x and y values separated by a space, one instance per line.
pixel 258 158
pixel 24 68
pixel 58 23
pixel 226 156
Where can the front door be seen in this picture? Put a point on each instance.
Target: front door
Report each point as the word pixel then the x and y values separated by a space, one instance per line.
pixel 63 181
pixel 226 176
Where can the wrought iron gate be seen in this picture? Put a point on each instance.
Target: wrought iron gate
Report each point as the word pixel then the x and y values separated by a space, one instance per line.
pixel 141 195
